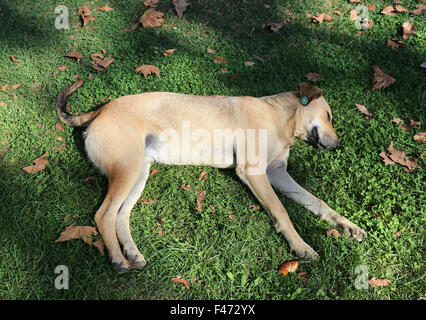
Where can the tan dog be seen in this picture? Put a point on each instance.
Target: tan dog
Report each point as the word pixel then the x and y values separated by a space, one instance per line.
pixel 126 135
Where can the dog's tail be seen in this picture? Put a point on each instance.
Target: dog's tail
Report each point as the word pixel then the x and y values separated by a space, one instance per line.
pixel 64 115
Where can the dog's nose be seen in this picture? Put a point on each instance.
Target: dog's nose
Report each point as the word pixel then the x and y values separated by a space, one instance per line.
pixel 338 145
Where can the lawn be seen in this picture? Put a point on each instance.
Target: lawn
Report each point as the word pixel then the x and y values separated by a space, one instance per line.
pixel 228 250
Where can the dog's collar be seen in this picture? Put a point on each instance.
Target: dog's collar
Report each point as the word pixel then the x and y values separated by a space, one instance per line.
pixel 304 100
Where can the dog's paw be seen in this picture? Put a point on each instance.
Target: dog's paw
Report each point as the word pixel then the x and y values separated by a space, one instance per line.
pixel 121 266
pixel 306 252
pixel 137 262
pixel 354 232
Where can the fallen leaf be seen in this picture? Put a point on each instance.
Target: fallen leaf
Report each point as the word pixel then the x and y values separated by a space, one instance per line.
pixel 381 79
pixel 180 7
pixel 147 69
pixel 93 56
pixel 408 29
pixel 89 178
pixel 322 17
pixel 186 187
pixel 388 11
pixel 353 15
pixel 420 137
pixel 12 57
pixel 230 215
pixel 154 171
pixel 211 51
pixel 39 164
pixel 220 60
pixel 84 13
pixel 59 127
pixel 303 277
pixel 182 281
pixel 203 175
pixel 105 8
pixel 371 7
pixel 354 1
pixel 146 201
pixel 151 3
pixel 314 77
pixel 337 12
pixel 64 67
pixel 151 18
pixel 409 126
pixel 395 156
pixel 379 282
pixel 4 87
pixel 289 266
pixel 102 64
pixel 77 232
pixel 99 244
pixel 254 207
pixel 363 109
pixel 394 43
pixel 333 232
pixel 200 199
pixel 249 63
pixel 74 54
pixel 275 27
pixel 2 104
pixel 15 86
pixel 420 8
pixel 169 51
pixel 400 8
pixel 224 70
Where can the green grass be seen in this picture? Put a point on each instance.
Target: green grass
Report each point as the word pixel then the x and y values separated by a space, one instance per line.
pixel 222 258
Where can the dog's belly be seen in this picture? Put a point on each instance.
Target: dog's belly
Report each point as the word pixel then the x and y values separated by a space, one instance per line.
pixel 197 153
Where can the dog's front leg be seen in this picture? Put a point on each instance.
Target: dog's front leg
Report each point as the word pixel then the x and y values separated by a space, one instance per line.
pixel 280 179
pixel 263 191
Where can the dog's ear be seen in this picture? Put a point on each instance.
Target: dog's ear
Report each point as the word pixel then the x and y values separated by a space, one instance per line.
pixel 307 93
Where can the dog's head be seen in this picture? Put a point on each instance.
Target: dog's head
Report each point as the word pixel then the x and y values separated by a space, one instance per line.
pixel 314 120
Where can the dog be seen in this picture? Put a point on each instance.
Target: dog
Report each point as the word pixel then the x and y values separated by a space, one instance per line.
pixel 126 135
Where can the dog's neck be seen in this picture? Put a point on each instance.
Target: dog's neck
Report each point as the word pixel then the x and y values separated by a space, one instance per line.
pixel 289 112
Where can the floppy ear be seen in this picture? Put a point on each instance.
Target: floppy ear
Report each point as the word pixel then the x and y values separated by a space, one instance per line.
pixel 307 93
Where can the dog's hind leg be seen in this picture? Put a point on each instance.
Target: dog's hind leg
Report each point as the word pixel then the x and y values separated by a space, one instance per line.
pixel 122 227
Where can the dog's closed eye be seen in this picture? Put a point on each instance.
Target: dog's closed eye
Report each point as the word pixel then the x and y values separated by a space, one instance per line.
pixel 328 116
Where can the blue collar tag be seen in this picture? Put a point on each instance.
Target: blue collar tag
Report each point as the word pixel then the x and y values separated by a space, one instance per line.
pixel 304 100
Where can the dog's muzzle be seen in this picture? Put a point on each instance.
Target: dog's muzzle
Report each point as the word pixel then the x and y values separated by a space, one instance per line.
pixel 315 140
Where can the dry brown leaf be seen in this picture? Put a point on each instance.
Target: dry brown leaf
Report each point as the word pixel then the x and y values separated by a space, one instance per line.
pixel 254 207
pixel 102 64
pixel 371 7
pixel 147 69
pixel 354 1
pixel 12 57
pixel 59 127
pixel 333 232
pixel 211 51
pixel 186 187
pixel 353 15
pixel 408 29
pixel 314 77
pixel 363 109
pixel 275 27
pixel 63 68
pixel 381 79
pixel 76 232
pixel 395 156
pixel 203 176
pixel 180 7
pixel 289 266
pixel 409 126
pixel 151 18
pixel 151 3
pixel 224 70
pixel 74 54
pixel 420 137
pixel 15 86
pixel 182 281
pixel 337 12
pixel 169 51
pixel 4 87
pixel 420 8
pixel 388 11
pixel 39 164
pixel 84 13
pixel 105 8
pixel 200 199
pixel 249 63
pixel 220 60
pixel 322 17
pixel 154 171
pixel 400 8
pixel 99 244
pixel 394 43
pixel 2 104
pixel 379 282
